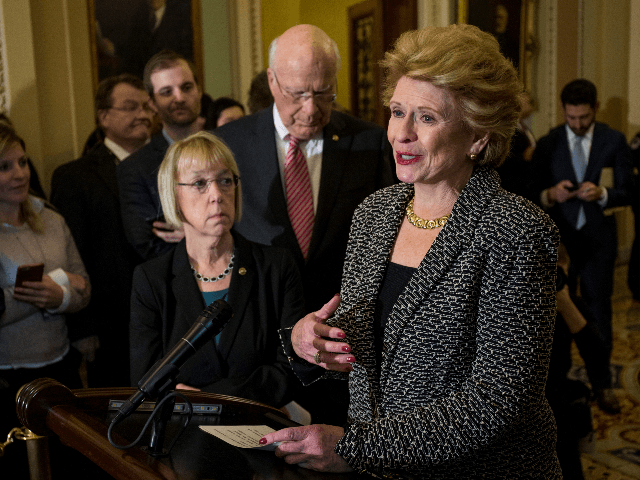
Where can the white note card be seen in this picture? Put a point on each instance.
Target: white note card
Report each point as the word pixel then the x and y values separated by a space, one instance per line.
pixel 243 436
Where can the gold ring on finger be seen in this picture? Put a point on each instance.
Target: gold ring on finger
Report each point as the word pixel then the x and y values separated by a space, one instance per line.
pixel 316 357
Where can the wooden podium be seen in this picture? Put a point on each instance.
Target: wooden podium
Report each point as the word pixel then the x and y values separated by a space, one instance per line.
pixel 81 419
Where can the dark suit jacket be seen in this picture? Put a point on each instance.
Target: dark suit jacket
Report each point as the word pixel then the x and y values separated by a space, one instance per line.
pixel 460 389
pixel 249 361
pixel 85 192
pixel 355 163
pixel 552 163
pixel 139 199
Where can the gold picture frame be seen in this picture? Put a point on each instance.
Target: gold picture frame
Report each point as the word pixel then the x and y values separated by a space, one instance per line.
pixel 124 34
pixel 512 23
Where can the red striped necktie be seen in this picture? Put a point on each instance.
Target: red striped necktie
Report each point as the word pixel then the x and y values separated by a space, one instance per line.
pixel 299 197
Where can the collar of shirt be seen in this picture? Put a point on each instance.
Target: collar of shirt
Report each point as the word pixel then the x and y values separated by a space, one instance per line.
pixel 116 149
pixel 167 137
pixel 312 150
pixel 588 137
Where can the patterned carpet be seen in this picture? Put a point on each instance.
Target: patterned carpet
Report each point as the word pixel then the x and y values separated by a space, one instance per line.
pixel 612 452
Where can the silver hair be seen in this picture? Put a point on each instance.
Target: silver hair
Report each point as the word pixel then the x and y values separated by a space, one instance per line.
pixel 274 45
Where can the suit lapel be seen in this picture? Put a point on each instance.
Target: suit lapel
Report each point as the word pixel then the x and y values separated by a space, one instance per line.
pixel 335 152
pixel 269 168
pixel 188 296
pixel 381 235
pixel 566 162
pixel 454 236
pixel 240 291
pixel 105 168
pixel 594 168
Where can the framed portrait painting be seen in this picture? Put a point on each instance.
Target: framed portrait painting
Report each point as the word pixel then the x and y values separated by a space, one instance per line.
pixel 511 22
pixel 126 33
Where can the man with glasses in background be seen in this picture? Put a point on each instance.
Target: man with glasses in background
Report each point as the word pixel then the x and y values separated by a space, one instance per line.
pixel 85 192
pixel 305 168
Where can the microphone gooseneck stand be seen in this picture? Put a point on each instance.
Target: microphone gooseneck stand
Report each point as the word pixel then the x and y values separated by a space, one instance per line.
pixel 160 381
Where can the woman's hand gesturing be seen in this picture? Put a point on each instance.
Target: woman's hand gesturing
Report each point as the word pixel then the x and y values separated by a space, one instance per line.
pixel 309 344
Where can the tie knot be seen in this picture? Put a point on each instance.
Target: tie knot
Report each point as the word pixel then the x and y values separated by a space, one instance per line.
pixel 293 141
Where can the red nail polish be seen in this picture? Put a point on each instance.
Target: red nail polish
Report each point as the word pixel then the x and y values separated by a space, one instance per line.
pixel 351 359
pixel 263 441
pixel 341 335
pixel 346 349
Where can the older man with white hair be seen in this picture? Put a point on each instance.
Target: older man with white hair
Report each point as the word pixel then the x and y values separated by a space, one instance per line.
pixel 305 168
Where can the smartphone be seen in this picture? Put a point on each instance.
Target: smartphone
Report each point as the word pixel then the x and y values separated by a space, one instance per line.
pixel 29 273
pixel 573 187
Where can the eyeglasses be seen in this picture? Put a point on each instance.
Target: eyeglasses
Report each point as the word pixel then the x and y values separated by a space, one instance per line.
pixel 226 184
pixel 301 97
pixel 133 107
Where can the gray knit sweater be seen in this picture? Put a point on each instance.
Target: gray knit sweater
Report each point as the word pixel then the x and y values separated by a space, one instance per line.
pixel 29 336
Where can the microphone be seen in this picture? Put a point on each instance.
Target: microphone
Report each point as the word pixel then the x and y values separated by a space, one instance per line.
pixel 210 322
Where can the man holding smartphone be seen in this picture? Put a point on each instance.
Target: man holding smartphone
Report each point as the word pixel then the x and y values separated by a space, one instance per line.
pixel 570 161
pixel 171 83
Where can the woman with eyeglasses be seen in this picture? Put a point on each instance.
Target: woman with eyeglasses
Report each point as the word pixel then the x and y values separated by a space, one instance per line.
pixel 199 186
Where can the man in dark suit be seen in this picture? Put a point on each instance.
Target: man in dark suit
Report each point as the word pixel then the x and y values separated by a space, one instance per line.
pixel 174 93
pixel 633 276
pixel 308 209
pixel 572 161
pixel 85 192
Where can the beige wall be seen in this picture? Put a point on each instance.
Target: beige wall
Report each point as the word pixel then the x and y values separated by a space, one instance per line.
pixel 215 40
pixel 330 15
pixel 49 75
pixel 634 68
pixel 605 59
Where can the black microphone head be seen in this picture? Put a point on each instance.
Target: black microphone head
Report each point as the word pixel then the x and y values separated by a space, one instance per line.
pixel 218 308
pixel 211 321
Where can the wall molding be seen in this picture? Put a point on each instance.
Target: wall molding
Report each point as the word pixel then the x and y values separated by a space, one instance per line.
pixel 548 54
pixel 245 21
pixel 5 103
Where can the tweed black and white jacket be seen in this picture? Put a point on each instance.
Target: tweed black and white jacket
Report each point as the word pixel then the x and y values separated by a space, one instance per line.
pixel 466 346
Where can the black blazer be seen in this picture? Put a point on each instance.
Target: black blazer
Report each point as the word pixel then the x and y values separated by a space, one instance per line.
pixel 355 163
pixel 265 294
pixel 139 198
pixel 85 192
pixel 552 163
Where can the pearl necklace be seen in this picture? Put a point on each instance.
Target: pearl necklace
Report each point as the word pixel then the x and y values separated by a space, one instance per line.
pixel 416 221
pixel 226 272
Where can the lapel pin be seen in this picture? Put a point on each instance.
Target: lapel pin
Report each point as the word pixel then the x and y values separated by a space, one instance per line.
pixel 335 138
pixel 242 270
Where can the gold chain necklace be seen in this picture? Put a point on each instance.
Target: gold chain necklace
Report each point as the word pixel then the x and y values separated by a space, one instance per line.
pixel 416 221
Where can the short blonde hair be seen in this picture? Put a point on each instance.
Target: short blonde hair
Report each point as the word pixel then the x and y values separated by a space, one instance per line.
pixel 200 149
pixel 467 62
pixel 9 138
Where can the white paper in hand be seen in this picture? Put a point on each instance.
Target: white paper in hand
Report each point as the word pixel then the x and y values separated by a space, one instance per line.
pixel 242 436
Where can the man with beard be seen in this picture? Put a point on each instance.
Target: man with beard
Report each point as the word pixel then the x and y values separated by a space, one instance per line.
pixel 175 96
pixel 85 192
pixel 569 162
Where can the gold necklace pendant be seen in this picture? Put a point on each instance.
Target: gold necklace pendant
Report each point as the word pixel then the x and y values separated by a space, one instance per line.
pixel 418 222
